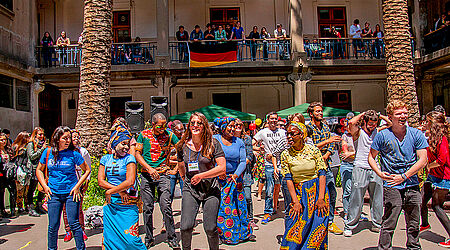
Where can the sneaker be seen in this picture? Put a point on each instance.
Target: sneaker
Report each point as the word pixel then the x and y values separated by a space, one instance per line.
pixel 173 244
pixel 252 238
pixel 445 244
pixel 266 219
pixel 84 236
pixel 334 229
pixel 68 236
pixel 425 228
pixel 149 245
pixel 348 233
pixel 254 226
pixel 33 213
pixel 362 218
pixel 163 229
pixel 375 229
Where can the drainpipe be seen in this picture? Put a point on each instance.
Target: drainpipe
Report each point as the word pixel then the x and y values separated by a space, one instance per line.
pixel 172 85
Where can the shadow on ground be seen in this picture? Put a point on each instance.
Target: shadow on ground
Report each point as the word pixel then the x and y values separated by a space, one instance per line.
pixel 10 229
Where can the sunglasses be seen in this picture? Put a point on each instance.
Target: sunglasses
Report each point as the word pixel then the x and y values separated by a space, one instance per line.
pixel 160 126
pixel 292 134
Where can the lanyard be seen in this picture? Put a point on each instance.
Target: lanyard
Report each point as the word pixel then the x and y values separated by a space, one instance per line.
pixel 198 154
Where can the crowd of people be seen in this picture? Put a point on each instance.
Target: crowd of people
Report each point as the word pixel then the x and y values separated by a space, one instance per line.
pixel 255 39
pixel 216 165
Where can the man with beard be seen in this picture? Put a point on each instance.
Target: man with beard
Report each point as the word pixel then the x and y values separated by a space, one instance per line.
pixel 322 139
pixel 270 137
pixel 363 177
pixel 152 153
pixel 403 152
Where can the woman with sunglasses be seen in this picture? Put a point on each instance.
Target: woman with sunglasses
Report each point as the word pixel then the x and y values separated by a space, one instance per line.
pixel 87 158
pixel 234 226
pixel 200 161
pixel 63 187
pixel 117 174
pixel 306 219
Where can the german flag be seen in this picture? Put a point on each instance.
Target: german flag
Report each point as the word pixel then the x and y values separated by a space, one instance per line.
pixel 211 54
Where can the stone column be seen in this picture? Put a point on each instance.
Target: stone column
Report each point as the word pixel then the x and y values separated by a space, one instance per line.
pixel 296 26
pixel 299 81
pixel 427 91
pixel 162 27
pixel 36 88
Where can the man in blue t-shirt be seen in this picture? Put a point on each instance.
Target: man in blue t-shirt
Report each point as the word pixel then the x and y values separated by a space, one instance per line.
pixel 403 152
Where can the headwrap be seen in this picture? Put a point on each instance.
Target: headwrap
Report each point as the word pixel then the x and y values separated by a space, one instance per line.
pixel 117 136
pixel 301 127
pixel 222 122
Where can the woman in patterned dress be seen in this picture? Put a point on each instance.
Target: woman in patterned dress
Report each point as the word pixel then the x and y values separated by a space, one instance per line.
pixel 117 174
pixel 306 220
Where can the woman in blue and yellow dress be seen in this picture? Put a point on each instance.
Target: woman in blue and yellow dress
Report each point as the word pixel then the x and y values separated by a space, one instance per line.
pixel 117 174
pixel 306 220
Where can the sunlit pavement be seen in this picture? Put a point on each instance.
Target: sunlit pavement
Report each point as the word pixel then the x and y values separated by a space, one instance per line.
pixel 28 232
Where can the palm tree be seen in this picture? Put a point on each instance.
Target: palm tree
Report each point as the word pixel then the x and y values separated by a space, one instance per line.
pixel 399 62
pixel 93 119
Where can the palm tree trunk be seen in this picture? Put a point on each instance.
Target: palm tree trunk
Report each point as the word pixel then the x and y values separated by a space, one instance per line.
pixel 399 62
pixel 93 118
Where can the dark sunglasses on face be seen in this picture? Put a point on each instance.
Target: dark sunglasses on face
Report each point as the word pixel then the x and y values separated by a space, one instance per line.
pixel 160 126
pixel 291 134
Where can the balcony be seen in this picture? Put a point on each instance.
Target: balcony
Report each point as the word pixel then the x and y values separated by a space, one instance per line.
pixel 248 50
pixel 121 54
pixel 344 48
pixel 437 40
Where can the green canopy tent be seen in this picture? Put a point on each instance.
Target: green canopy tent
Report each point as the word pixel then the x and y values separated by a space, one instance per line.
pixel 327 111
pixel 212 112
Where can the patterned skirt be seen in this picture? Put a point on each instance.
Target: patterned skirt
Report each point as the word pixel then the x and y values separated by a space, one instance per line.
pixel 310 231
pixel 232 222
pixel 121 226
pixel 258 169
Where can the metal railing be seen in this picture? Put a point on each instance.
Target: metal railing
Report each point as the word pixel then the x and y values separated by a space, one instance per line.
pixel 121 53
pixel 247 50
pixel 437 40
pixel 347 48
pixel 133 53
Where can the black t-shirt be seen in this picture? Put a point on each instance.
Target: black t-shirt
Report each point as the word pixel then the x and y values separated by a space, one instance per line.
pixel 206 187
pixel 207 32
pixel 182 36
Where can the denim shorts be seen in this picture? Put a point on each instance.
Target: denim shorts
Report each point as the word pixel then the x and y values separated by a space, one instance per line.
pixel 438 182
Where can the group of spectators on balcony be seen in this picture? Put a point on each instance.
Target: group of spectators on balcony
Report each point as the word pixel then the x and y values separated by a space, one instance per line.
pixel 366 41
pixel 220 34
pixel 441 21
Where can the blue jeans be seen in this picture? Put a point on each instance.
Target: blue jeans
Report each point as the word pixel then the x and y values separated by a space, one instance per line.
pixel 286 195
pixel 346 180
pixel 332 193
pixel 173 183
pixel 55 206
pixel 268 207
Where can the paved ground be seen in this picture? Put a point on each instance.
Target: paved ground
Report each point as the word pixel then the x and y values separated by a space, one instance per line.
pixel 31 233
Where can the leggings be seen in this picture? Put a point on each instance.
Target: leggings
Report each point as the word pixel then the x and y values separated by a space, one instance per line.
pixel 11 186
pixel 438 196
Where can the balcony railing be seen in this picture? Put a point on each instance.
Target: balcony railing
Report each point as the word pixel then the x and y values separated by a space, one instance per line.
pixel 247 50
pixel 437 40
pixel 121 53
pixel 347 48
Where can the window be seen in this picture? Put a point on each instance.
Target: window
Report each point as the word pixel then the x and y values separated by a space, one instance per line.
pixel 337 99
pixel 7 4
pixel 121 26
pixel 189 95
pixel 22 95
pixel 117 106
pixel 6 91
pixel 223 16
pixel 228 100
pixel 329 17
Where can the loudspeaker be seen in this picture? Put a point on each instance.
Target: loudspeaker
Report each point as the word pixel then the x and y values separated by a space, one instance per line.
pixel 159 104
pixel 134 115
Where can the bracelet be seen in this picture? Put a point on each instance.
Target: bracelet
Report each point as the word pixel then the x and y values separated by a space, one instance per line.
pixel 404 176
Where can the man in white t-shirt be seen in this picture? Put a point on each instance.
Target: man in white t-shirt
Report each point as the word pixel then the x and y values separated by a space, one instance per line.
pixel 269 137
pixel 280 34
pixel 363 177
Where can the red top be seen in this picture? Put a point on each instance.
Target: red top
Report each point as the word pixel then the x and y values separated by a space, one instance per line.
pixel 442 157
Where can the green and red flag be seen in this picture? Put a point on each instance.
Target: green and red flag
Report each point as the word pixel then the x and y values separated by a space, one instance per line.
pixel 212 54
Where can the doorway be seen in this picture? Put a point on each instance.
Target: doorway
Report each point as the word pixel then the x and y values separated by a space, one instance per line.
pixel 228 100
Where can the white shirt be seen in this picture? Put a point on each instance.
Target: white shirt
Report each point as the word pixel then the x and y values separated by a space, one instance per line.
pixel 87 159
pixel 270 140
pixel 354 31
pixel 277 34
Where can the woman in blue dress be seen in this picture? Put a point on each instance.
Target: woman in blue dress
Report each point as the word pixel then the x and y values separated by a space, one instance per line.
pixel 117 174
pixel 233 223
